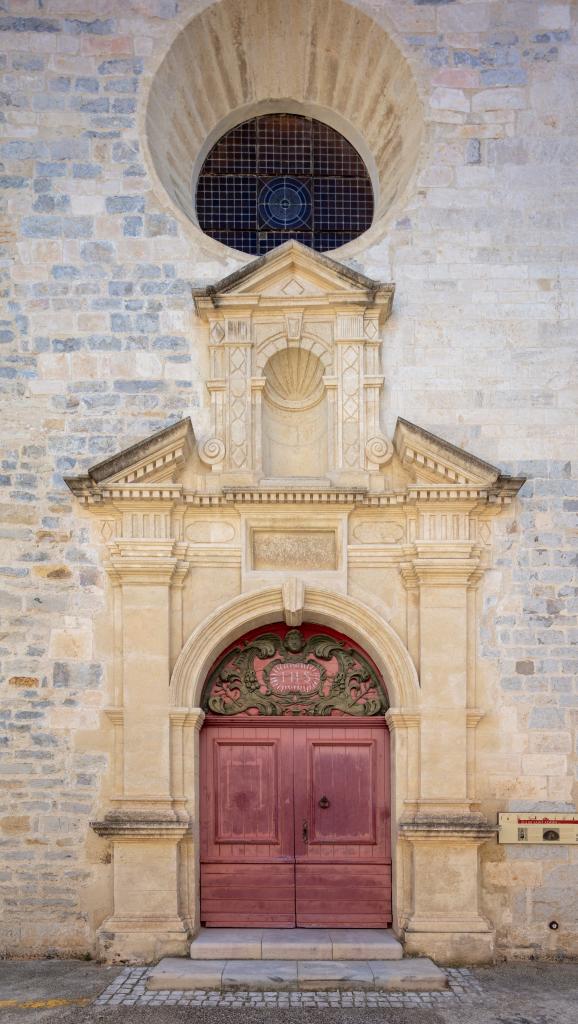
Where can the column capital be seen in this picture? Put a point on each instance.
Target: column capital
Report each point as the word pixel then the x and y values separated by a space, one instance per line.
pixel 191 718
pixel 147 561
pixel 433 564
pixel 114 715
pixel 402 718
pixel 474 717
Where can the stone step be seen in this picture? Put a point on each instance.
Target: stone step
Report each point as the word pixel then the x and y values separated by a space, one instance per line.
pixel 296 944
pixel 181 974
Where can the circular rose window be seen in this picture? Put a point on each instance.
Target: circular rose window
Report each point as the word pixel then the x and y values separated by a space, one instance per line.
pixel 283 176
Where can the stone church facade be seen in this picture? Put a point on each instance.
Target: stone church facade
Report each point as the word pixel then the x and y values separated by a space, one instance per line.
pixel 292 493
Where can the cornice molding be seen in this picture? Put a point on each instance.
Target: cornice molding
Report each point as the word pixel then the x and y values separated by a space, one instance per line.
pixel 474 500
pixel 441 828
pixel 138 829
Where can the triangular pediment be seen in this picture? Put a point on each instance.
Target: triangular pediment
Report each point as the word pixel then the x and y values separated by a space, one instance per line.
pixel 432 460
pixel 153 468
pixel 291 274
pixel 156 460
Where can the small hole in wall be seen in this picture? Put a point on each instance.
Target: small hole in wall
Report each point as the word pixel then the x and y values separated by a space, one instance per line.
pixel 553 926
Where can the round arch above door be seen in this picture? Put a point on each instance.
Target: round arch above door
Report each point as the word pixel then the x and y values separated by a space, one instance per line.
pixel 295 819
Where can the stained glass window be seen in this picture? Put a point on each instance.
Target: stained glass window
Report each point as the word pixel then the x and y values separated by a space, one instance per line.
pixel 283 176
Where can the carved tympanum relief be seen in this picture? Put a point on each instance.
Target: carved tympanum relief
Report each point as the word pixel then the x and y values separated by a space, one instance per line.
pixel 294 672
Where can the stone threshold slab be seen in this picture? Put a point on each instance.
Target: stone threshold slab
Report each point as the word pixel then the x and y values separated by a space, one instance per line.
pixel 296 944
pixel 411 975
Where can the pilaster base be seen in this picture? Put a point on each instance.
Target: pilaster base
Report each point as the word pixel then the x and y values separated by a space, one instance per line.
pixel 145 924
pixel 142 941
pixel 451 948
pixel 446 923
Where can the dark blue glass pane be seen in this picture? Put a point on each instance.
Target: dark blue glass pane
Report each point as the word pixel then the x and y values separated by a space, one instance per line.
pixel 226 201
pixel 270 240
pixel 246 241
pixel 284 176
pixel 342 204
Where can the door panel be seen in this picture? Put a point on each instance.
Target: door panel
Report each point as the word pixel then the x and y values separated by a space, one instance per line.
pixel 246 813
pixel 343 865
pixel 247 848
pixel 271 855
pixel 248 895
pixel 343 895
pixel 346 771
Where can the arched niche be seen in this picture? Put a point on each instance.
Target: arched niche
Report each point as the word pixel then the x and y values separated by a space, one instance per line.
pixel 338 611
pixel 294 416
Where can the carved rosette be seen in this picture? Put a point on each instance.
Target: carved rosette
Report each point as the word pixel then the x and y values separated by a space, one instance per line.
pixel 292 675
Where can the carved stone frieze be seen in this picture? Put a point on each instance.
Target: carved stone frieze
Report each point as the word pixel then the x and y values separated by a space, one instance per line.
pixel 305 550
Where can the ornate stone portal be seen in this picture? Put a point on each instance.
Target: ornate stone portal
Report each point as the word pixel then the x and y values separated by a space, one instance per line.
pixel 295 507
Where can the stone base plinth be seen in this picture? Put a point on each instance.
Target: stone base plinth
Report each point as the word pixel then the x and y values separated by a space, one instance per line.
pixel 452 948
pixel 129 942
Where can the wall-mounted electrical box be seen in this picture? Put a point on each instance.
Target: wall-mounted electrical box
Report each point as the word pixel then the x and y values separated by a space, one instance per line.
pixel 542 827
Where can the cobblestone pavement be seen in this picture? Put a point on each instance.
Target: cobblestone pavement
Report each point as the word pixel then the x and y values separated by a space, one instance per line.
pixel 72 992
pixel 128 989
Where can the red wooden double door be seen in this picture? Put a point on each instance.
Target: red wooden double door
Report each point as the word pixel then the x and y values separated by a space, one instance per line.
pixel 295 823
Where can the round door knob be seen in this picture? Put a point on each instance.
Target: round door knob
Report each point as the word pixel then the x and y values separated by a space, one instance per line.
pixel 324 802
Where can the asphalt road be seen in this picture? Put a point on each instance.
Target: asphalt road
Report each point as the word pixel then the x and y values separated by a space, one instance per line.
pixel 62 991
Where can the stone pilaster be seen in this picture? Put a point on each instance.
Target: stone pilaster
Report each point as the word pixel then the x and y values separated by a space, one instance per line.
pixel 440 823
pixel 148 818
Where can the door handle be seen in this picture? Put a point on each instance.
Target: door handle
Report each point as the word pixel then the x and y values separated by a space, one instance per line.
pixel 305 832
pixel 324 802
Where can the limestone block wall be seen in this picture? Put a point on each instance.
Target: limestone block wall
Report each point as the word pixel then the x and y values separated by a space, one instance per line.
pixel 100 348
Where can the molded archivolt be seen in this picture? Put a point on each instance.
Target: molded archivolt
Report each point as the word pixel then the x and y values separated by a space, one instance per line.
pixel 342 613
pixel 325 59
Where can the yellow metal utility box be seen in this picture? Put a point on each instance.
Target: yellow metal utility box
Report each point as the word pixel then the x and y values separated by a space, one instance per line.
pixel 542 827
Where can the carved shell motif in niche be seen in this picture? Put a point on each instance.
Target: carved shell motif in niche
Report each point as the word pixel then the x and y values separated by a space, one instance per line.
pixel 204 531
pixel 294 378
pixel 368 532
